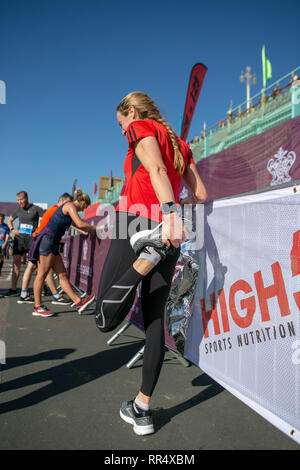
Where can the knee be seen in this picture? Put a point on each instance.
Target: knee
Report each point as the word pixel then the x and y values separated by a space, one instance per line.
pixel 31 267
pixel 63 277
pixel 103 321
pixel 40 277
pixel 17 263
pixel 100 322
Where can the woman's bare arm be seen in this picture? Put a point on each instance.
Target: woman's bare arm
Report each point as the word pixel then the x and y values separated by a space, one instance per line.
pixel 70 209
pixel 193 180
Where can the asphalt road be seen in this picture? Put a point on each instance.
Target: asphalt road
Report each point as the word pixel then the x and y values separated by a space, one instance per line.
pixel 62 386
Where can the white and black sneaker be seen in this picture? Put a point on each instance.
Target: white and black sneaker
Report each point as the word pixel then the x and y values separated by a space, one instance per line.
pixel 26 300
pixel 61 301
pixel 142 421
pixel 11 292
pixel 150 238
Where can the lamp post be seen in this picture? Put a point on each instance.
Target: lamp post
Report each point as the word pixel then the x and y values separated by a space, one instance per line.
pixel 249 79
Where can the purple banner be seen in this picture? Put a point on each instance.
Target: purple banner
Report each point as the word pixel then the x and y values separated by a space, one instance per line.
pixel 84 257
pixel 265 160
pixel 8 208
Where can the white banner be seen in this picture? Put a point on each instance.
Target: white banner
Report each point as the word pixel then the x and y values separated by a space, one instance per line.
pixel 245 326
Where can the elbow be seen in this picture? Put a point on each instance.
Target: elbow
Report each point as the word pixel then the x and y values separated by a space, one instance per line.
pixel 158 170
pixel 158 174
pixel 201 196
pixel 81 225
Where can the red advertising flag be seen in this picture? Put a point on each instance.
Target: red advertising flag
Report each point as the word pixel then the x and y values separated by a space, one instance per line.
pixel 95 188
pixel 195 84
pixel 91 211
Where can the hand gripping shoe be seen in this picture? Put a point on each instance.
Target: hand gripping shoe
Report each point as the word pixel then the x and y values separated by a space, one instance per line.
pixel 146 238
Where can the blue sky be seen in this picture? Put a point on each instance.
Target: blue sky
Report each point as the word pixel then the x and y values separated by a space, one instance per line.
pixel 68 63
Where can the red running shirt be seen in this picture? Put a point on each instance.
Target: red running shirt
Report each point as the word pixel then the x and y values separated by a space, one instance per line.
pixel 139 196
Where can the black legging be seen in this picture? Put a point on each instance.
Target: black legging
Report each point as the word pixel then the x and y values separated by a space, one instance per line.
pixel 116 294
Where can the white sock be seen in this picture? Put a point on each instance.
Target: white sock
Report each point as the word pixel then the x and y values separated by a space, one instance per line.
pixel 23 293
pixel 150 254
pixel 56 296
pixel 141 405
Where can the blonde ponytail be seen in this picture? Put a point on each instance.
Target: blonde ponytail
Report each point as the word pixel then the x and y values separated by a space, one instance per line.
pixel 79 196
pixel 178 158
pixel 146 108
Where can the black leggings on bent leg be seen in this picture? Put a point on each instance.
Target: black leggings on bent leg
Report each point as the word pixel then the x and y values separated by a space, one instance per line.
pixel 116 294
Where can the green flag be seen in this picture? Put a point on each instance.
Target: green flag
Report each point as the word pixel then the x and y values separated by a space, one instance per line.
pixel 267 69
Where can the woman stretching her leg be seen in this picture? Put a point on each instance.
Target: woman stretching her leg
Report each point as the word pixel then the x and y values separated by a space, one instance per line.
pixel 156 162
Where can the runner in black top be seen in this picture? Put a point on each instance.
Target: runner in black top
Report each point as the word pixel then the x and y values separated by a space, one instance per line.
pixel 28 215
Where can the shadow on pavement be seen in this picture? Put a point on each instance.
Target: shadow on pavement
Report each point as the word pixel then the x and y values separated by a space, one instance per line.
pixel 52 355
pixel 163 416
pixel 63 377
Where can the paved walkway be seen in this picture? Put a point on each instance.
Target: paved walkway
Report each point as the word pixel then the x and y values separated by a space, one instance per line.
pixel 62 386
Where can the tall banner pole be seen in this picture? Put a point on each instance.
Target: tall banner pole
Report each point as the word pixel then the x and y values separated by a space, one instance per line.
pixel 72 194
pixel 74 187
pixel 195 84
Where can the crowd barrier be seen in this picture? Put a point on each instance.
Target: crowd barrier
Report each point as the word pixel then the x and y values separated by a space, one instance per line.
pixel 244 330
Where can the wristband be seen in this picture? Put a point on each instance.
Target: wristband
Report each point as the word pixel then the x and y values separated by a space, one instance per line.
pixel 168 208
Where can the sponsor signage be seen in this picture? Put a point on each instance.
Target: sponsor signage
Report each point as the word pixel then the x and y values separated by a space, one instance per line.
pixel 244 329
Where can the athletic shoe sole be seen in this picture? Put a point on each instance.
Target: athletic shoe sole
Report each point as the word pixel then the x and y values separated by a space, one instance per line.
pixel 83 307
pixel 56 302
pixel 154 235
pixel 139 430
pixel 145 238
pixel 25 301
pixel 14 294
pixel 36 314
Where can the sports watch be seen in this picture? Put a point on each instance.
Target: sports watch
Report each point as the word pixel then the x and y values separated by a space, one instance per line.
pixel 168 207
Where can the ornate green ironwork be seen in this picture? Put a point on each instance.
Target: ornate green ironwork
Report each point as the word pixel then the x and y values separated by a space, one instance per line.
pixel 272 106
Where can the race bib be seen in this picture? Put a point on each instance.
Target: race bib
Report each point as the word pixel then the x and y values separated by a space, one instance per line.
pixel 25 228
